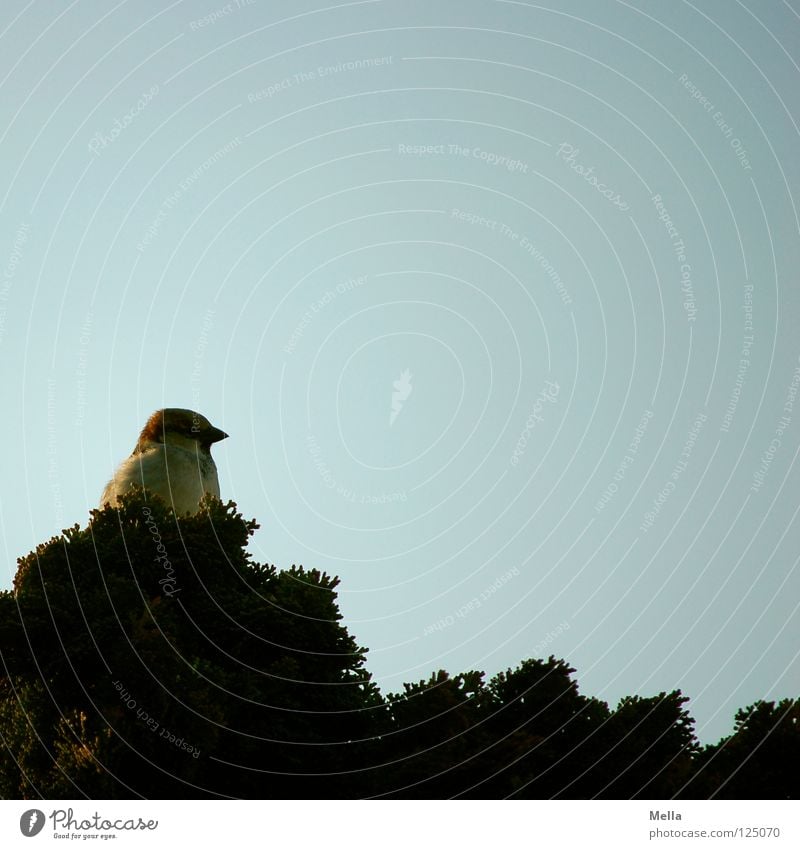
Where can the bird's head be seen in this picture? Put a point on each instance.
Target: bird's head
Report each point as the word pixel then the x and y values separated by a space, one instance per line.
pixel 177 426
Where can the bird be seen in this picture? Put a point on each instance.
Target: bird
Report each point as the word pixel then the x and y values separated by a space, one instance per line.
pixel 172 459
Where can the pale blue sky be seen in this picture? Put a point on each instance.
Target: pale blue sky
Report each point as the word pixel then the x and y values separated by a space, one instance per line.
pixel 549 215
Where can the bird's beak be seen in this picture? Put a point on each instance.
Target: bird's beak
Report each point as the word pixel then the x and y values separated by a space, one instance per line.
pixel 216 435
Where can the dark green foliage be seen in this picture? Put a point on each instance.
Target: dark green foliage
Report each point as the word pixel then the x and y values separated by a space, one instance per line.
pixel 184 670
pixel 758 761
pixel 649 745
pixel 146 656
pixel 549 727
pixel 433 737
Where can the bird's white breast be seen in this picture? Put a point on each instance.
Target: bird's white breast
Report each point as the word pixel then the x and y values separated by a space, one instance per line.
pixel 181 476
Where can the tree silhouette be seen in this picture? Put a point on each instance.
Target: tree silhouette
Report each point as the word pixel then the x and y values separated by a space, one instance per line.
pixel 649 748
pixel 758 761
pixel 146 656
pixel 149 656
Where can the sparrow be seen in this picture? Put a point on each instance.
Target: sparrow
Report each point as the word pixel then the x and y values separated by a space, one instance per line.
pixel 172 459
